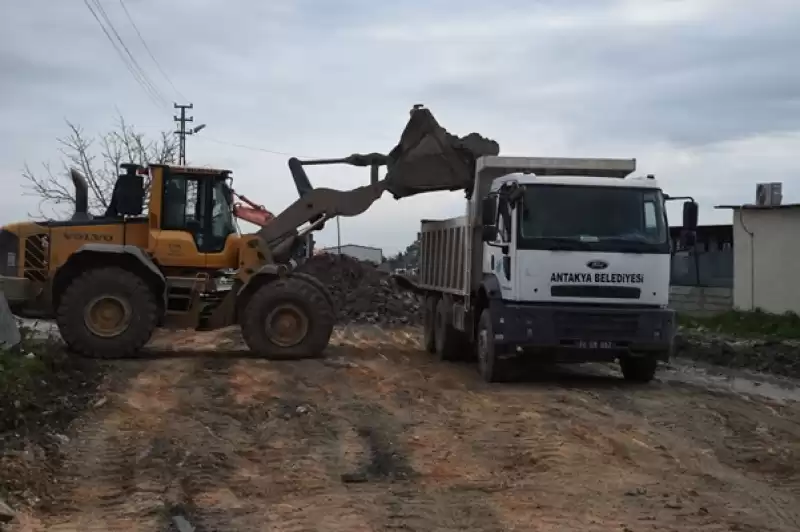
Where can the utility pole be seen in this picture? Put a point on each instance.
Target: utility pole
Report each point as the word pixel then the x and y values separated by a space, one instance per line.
pixel 182 131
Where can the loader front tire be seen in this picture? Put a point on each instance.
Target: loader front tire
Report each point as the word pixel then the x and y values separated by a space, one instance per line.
pixel 287 318
pixel 107 313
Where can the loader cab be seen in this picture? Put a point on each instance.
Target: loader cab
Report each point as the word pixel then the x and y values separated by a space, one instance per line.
pixel 191 217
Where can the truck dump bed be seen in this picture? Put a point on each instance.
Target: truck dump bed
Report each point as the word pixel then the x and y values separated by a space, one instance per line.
pixel 443 255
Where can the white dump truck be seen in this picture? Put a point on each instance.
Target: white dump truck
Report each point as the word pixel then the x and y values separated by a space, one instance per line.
pixel 557 260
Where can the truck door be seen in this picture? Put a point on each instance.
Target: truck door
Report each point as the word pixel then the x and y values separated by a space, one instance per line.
pixel 502 258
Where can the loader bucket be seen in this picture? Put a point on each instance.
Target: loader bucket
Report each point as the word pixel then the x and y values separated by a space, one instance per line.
pixel 428 158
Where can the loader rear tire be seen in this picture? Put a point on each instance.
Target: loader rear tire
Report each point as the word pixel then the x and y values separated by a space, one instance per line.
pixel 107 313
pixel 287 319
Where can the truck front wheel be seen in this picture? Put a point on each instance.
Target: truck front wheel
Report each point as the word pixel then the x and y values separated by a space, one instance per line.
pixel 638 368
pixel 287 318
pixel 492 368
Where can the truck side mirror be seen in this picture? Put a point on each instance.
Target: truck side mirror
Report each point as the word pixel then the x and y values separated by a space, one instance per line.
pixel 690 216
pixel 489 218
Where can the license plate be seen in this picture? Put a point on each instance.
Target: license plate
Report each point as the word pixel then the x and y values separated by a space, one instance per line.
pixel 595 344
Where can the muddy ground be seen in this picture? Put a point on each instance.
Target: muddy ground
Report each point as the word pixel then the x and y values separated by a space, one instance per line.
pixel 378 436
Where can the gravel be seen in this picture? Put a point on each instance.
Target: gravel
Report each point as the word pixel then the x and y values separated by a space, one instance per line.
pixel 362 293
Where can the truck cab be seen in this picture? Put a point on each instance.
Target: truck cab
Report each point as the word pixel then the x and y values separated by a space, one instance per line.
pixel 574 240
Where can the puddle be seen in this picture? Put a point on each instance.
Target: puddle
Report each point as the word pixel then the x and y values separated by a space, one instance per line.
pixel 741 382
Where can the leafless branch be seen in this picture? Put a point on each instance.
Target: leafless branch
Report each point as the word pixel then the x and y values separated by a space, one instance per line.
pixel 97 158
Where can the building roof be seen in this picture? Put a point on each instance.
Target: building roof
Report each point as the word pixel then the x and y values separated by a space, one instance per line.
pixel 759 207
pixel 351 246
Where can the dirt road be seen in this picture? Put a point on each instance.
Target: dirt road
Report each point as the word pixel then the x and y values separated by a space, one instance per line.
pixel 378 436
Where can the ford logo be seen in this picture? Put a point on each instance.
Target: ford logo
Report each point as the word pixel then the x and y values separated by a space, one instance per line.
pixel 597 264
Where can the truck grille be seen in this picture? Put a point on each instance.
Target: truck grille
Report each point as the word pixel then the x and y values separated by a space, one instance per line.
pixel 594 291
pixel 595 325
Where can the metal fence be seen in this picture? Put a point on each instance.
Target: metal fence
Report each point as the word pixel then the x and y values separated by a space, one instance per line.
pixel 703 268
pixel 709 263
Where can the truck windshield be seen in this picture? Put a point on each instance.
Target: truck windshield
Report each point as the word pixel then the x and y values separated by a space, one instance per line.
pixel 593 218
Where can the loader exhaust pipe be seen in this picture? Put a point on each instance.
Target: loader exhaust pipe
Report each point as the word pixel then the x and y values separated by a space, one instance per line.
pixel 81 193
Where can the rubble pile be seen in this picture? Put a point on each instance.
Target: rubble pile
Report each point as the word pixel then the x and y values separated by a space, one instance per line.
pixel 769 355
pixel 362 293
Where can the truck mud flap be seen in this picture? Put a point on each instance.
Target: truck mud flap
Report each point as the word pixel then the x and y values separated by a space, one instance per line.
pixel 429 159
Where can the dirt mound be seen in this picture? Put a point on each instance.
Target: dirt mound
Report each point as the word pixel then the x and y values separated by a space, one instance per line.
pixel 772 355
pixel 361 292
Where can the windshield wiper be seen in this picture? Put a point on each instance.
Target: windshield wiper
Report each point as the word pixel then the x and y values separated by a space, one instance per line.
pixel 564 243
pixel 631 245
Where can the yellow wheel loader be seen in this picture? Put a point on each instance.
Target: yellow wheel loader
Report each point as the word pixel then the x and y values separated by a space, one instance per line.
pixel 110 280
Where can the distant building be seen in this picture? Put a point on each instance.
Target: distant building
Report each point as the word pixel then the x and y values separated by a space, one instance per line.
pixel 365 253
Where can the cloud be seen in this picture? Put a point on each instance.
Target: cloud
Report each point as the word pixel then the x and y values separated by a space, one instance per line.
pixel 703 93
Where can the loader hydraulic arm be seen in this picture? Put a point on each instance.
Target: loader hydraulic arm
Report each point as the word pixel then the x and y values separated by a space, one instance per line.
pixel 427 159
pixel 317 205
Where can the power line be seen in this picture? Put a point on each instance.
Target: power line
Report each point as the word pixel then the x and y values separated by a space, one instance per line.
pixel 254 148
pixel 125 61
pixel 152 56
pixel 147 79
pixel 130 62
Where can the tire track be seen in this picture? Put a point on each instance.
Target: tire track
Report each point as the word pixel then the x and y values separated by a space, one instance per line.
pixel 110 477
pixel 434 481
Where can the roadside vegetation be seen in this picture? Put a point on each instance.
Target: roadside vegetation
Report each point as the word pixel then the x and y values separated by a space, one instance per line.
pixel 752 324
pixel 757 341
pixel 42 389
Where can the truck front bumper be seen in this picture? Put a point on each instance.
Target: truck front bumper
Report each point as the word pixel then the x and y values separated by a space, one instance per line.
pixel 584 333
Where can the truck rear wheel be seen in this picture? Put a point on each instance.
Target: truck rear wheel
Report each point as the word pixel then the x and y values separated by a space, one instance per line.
pixel 287 318
pixel 446 338
pixel 638 368
pixel 107 313
pixel 429 323
pixel 492 368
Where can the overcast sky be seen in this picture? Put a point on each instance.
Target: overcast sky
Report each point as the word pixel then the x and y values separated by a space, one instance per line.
pixel 703 93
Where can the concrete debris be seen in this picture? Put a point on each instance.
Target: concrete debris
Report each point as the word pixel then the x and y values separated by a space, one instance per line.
pixel 9 329
pixel 6 513
pixel 362 293
pixel 767 355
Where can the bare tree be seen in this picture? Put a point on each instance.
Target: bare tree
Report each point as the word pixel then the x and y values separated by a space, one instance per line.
pixel 97 158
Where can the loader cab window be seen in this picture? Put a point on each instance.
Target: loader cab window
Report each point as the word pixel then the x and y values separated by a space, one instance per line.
pixel 198 205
